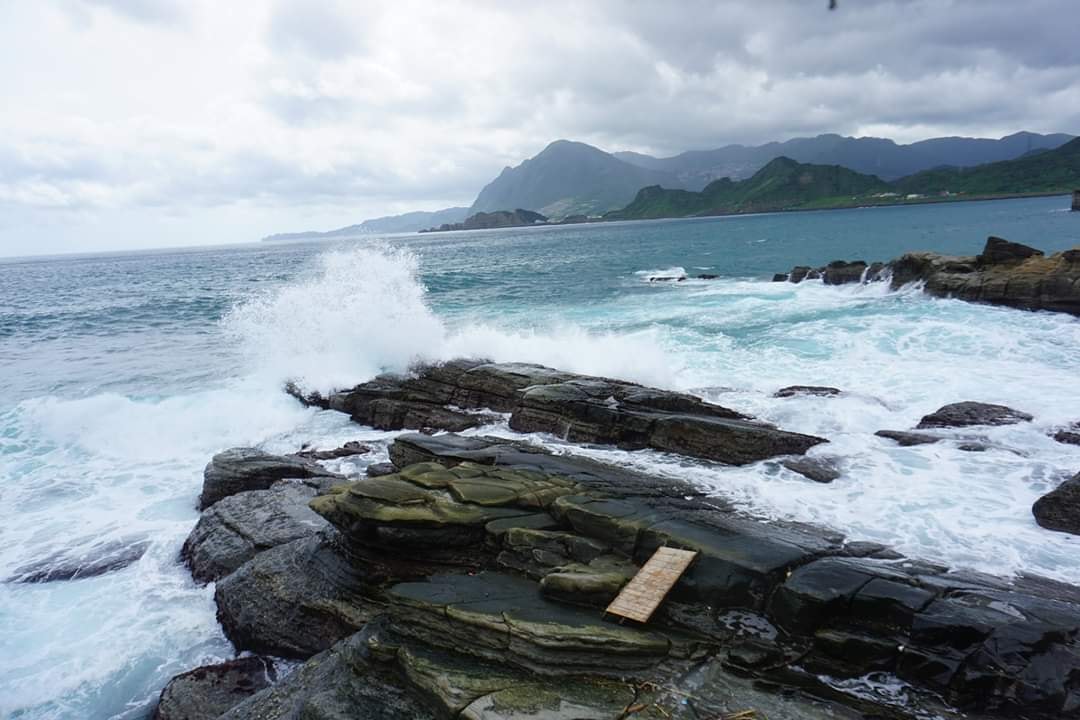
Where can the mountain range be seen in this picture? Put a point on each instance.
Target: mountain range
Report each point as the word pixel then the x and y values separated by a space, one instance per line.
pixel 572 178
pixel 408 222
pixel 786 184
pixel 569 178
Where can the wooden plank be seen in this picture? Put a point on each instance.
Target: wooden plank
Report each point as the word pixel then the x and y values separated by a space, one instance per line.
pixel 643 594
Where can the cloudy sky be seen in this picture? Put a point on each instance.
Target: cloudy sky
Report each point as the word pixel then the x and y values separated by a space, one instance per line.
pixel 142 123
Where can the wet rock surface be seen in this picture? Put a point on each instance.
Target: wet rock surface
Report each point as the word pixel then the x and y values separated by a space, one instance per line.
pixel 208 691
pixel 1069 435
pixel 1059 509
pixel 1005 273
pixel 797 390
pixel 240 469
pixel 293 600
pixel 238 527
pixel 906 438
pixel 967 414
pixel 579 408
pixel 818 469
pixel 470 580
pixel 88 561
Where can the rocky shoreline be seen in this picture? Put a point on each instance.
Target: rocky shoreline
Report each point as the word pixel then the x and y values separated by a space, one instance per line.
pixel 1005 273
pixel 468 577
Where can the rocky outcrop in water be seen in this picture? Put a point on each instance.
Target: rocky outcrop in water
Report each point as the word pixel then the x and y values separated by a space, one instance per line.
pixel 237 528
pixel 91 560
pixel 241 469
pixel 1060 509
pixel 470 583
pixel 1005 273
pixel 968 413
pixel 208 691
pixel 459 395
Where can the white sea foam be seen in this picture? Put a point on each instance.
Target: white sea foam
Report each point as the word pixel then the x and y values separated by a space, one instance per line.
pixel 671 273
pixel 364 311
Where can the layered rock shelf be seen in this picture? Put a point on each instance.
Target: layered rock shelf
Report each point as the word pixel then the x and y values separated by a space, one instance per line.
pixel 464 394
pixel 469 580
pixel 1005 273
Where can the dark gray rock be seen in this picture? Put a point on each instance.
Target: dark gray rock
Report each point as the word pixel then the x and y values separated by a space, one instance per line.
pixel 293 600
pixel 841 272
pixel 907 439
pixel 236 528
pixel 87 561
pixel 579 408
pixel 796 390
pixel 818 469
pixel 349 449
pixel 593 410
pixel 240 469
pixel 207 692
pixel 1069 435
pixel 799 273
pixel 780 277
pixel 998 251
pixel 1059 509
pixel 380 469
pixel 966 414
pixel 340 683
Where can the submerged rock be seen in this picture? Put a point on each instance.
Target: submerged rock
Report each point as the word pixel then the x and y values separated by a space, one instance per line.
pixel 236 528
pixel 796 390
pixel 208 691
pixel 83 562
pixel 1059 509
pixel 966 414
pixel 907 439
pixel 240 469
pixel 818 469
pixel 1069 435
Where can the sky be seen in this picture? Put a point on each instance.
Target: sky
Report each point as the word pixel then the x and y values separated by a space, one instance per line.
pixel 132 124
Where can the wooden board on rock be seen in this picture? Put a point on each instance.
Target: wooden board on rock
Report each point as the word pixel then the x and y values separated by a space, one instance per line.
pixel 641 596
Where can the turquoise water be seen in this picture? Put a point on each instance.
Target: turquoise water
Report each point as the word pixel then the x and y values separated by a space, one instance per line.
pixel 121 374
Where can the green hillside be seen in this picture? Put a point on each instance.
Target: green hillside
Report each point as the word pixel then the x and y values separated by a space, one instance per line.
pixel 1045 171
pixel 783 184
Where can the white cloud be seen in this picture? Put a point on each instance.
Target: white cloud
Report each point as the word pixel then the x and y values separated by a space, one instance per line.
pixel 139 122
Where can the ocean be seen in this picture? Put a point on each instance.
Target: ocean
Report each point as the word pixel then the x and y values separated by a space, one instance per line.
pixel 121 374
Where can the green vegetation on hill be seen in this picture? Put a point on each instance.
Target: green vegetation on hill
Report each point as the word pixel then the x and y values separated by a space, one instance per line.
pixel 785 184
pixel 1045 171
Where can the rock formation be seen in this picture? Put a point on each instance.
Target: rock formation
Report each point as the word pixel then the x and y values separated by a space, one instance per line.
pixel 1005 273
pixel 470 583
pixel 1060 509
pixel 469 578
pixel 1076 201
pixel 459 395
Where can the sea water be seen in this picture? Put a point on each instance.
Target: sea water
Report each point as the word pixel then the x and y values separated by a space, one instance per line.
pixel 121 374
